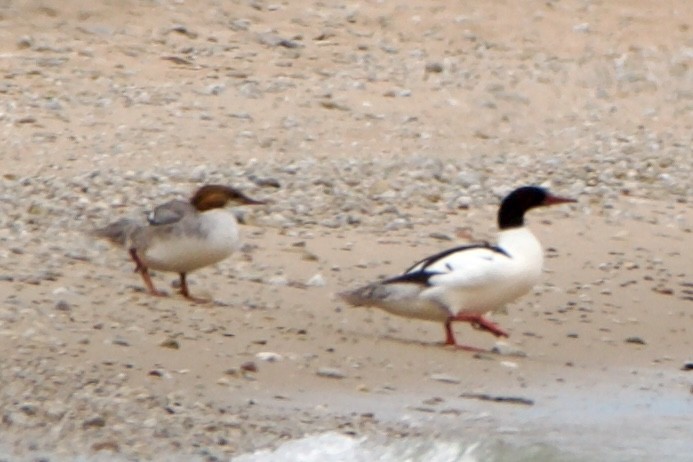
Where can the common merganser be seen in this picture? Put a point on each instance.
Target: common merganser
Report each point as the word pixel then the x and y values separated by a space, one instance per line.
pixel 181 236
pixel 464 283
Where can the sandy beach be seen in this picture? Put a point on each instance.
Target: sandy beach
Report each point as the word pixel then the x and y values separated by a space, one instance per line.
pixel 380 133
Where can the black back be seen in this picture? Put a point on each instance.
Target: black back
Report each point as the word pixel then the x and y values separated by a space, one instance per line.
pixel 422 275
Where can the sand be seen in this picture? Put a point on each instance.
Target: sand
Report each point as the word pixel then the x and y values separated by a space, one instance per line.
pixel 593 98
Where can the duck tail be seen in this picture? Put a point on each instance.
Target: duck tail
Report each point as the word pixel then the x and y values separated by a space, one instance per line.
pixel 368 295
pixel 118 232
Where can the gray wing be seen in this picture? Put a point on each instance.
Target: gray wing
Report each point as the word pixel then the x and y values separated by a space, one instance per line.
pixel 170 212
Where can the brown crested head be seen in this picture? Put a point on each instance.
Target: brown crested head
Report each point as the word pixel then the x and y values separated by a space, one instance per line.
pixel 213 196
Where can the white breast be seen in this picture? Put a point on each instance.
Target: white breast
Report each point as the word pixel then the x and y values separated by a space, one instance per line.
pixel 203 240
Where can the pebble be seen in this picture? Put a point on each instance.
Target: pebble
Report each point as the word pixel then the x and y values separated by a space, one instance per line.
pixel 62 305
pixel 317 280
pixel 170 343
pixel 249 366
pixel 509 364
pixel 440 236
pixel 269 356
pixel 434 67
pixel 445 378
pixel 94 422
pixel 29 409
pixel 278 281
pixel 635 340
pixel 330 372
pixel 506 349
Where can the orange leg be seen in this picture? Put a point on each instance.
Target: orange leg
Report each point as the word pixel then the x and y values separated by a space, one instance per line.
pixel 186 293
pixel 449 334
pixel 479 322
pixel 144 271
pixel 450 339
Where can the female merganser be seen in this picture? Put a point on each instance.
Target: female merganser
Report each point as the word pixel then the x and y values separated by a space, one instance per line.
pixel 466 282
pixel 181 236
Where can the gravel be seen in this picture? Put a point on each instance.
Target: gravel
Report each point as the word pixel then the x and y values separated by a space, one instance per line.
pixel 388 160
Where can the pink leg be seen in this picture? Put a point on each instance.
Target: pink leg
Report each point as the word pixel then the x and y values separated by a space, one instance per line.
pixel 142 269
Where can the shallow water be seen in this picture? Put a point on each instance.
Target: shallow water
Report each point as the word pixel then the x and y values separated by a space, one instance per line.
pixel 336 447
pixel 609 425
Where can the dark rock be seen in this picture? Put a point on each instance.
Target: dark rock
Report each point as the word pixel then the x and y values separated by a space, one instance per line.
pixel 94 422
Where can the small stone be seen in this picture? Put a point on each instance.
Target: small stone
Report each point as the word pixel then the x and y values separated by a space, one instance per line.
pixel 249 366
pixel 317 280
pixel 434 68
pixel 24 42
pixel 240 24
pixel 183 30
pixel 663 290
pixel 62 305
pixel 170 343
pixel 107 445
pixel 269 356
pixel 635 340
pixel 506 349
pixel 440 236
pixel 265 182
pixel 278 281
pixel 330 372
pixel 330 104
pixel 468 179
pixel 215 89
pixel 687 366
pixel 94 422
pixel 433 401
pixel 463 202
pixel 445 378
pixel 309 256
pixel 29 408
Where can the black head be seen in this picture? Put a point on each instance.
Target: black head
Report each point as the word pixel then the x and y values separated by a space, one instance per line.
pixel 512 210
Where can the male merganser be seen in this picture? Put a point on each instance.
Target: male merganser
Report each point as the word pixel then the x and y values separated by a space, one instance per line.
pixel 181 236
pixel 466 282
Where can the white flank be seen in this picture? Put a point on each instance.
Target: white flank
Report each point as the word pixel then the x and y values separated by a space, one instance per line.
pixel 470 281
